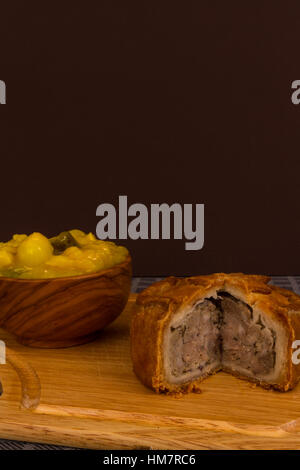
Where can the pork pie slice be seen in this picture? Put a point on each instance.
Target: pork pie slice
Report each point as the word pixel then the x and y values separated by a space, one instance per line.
pixel 186 329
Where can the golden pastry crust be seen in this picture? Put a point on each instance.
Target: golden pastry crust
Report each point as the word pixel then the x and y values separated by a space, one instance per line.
pixel 158 303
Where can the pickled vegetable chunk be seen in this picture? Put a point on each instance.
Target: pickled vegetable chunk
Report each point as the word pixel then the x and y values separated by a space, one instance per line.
pixel 63 241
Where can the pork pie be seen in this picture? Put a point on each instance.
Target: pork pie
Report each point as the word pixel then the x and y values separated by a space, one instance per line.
pixel 186 329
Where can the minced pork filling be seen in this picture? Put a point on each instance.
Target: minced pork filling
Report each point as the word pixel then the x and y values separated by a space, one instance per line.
pixel 221 332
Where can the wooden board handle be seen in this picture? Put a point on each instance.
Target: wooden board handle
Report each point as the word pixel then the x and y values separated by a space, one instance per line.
pixel 30 382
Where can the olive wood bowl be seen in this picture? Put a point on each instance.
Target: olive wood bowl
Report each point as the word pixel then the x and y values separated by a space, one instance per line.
pixel 65 311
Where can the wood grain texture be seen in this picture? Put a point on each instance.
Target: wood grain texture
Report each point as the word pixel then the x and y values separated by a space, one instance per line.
pixel 63 312
pixel 88 396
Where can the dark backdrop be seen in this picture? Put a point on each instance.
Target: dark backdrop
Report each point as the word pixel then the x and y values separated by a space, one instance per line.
pixel 165 102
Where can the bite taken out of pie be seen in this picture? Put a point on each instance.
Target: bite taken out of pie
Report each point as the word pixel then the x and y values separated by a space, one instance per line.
pixel 184 330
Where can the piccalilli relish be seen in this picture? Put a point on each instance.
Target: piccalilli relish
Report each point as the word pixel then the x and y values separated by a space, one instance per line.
pixel 68 254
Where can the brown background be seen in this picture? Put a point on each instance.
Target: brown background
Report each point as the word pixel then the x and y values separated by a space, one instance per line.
pixel 164 102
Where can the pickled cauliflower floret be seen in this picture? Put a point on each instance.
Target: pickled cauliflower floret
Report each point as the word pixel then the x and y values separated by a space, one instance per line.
pixel 70 253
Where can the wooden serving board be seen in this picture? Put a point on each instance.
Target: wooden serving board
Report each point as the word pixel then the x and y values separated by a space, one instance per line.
pixel 88 396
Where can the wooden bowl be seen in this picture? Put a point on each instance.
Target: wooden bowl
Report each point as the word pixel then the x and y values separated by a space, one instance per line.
pixel 65 311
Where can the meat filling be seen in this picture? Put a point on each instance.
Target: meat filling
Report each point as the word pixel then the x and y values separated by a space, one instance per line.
pixel 246 342
pixel 194 344
pixel 221 333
